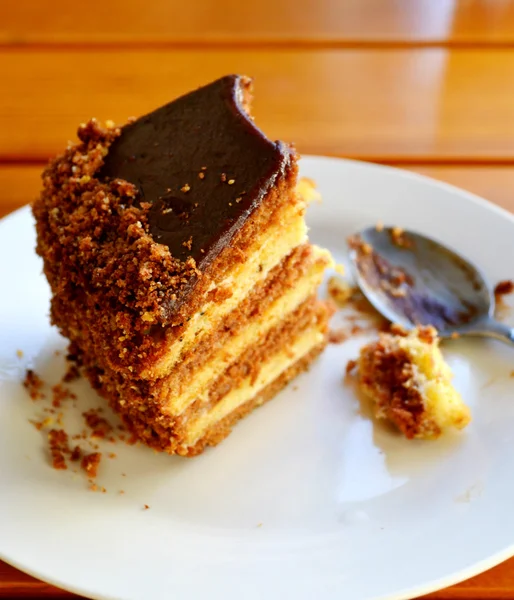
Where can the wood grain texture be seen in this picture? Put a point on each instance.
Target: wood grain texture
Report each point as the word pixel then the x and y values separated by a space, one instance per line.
pixel 418 105
pixel 495 184
pixel 15 584
pixel 20 184
pixel 495 584
pixel 224 22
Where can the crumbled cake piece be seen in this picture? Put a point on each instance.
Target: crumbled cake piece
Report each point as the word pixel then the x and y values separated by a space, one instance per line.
pixel 350 367
pixel 58 440
pixel 39 425
pixel 407 379
pixel 72 373
pixel 76 454
pixel 338 336
pixel 33 384
pixel 100 427
pixel 339 290
pixel 306 187
pixel 61 393
pixel 502 309
pixel 90 463
pixel 58 443
pixel 503 288
pixel 400 239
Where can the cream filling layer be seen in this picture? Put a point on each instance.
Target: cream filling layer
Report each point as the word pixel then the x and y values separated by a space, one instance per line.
pixel 276 243
pixel 270 370
pixel 197 388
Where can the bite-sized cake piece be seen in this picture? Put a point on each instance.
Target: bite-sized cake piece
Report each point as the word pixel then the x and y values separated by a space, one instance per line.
pixel 410 384
pixel 176 251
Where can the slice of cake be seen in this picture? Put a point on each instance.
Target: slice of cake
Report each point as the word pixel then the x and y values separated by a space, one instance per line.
pixel 410 384
pixel 176 251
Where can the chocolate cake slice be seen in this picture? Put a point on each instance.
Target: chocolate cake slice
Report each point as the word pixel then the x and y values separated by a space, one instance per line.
pixel 176 251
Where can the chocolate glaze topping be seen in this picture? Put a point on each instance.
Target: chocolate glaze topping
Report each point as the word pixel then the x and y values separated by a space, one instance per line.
pixel 202 164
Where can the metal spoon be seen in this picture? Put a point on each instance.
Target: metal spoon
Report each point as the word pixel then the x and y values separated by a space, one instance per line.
pixel 413 280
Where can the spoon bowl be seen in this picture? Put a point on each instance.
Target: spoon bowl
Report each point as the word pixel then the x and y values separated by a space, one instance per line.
pixel 414 280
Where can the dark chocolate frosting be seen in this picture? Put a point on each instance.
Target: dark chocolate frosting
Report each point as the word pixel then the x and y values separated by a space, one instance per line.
pixel 202 164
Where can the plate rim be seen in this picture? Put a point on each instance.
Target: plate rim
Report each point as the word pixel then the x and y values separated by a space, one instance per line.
pixel 405 594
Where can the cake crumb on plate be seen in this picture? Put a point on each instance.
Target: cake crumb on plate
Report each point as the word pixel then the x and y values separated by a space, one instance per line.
pixel 91 462
pixel 409 383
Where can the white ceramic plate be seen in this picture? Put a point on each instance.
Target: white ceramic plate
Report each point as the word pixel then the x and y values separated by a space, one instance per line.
pixel 307 498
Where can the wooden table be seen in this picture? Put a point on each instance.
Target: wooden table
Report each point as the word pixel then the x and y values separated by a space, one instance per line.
pixel 423 84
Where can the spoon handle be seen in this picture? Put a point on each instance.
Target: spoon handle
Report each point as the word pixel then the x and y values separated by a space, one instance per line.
pixel 491 328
